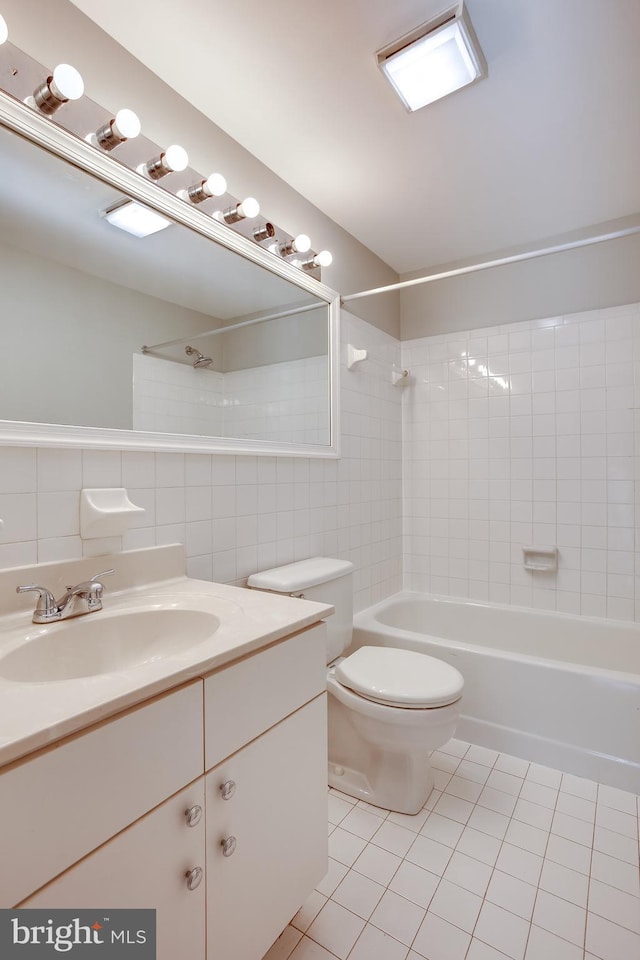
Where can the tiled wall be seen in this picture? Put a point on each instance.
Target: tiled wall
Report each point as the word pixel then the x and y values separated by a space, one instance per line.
pixel 526 434
pixel 239 514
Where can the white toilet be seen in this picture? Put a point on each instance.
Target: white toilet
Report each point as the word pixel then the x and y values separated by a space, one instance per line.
pixel 387 707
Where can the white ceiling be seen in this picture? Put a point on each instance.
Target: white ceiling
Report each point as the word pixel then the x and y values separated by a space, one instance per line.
pixel 548 144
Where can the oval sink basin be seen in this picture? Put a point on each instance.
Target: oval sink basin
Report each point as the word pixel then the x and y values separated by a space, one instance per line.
pixel 92 645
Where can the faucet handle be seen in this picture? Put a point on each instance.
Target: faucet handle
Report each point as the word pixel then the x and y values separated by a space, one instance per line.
pixel 46 601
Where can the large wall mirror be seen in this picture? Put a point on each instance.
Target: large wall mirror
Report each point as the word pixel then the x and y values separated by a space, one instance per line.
pixel 192 338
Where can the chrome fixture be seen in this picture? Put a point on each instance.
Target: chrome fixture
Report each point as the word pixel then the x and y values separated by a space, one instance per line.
pixel 124 126
pixel 174 159
pixel 299 244
pixel 266 231
pixel 85 597
pixel 63 85
pixel 199 359
pixel 249 207
pixel 214 186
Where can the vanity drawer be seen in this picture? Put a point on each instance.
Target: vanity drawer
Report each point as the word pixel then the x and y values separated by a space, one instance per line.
pixel 244 700
pixel 63 802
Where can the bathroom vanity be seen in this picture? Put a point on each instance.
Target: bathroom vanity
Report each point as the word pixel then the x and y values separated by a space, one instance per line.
pixel 197 789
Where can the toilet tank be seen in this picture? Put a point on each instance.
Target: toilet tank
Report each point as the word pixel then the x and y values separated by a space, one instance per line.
pixel 321 579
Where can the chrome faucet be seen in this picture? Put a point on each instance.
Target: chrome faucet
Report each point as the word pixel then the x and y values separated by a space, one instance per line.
pixel 85 597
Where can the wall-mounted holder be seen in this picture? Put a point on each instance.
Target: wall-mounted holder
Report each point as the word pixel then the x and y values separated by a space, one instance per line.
pixel 354 356
pixel 540 558
pixel 106 512
pixel 399 378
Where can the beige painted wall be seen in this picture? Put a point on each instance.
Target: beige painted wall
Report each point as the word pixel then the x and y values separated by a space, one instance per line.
pixel 604 275
pixel 56 31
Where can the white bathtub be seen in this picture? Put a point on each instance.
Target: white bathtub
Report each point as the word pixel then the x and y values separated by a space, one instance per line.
pixel 560 690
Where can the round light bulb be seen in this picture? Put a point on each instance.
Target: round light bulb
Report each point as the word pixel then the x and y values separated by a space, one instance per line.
pixel 126 125
pixel 302 243
pixel 66 83
pixel 4 30
pixel 215 185
pixel 324 258
pixel 175 159
pixel 249 207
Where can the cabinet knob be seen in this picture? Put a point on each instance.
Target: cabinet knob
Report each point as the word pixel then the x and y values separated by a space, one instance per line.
pixel 228 846
pixel 193 815
pixel 227 789
pixel 194 878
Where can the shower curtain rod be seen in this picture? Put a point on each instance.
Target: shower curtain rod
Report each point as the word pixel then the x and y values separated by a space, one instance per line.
pixel 234 326
pixel 487 264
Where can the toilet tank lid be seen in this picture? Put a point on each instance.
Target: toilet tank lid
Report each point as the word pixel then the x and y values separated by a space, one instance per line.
pixel 301 575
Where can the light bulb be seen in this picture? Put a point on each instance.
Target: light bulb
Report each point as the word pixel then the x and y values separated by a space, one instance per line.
pixel 214 186
pixel 324 258
pixel 175 159
pixel 299 244
pixel 66 83
pixel 4 30
pixel 126 125
pixel 247 208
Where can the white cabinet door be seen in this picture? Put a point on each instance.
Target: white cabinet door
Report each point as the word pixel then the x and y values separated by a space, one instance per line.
pixel 146 866
pixel 276 811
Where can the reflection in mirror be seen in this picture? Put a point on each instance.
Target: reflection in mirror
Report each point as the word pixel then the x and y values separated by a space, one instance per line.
pixel 81 298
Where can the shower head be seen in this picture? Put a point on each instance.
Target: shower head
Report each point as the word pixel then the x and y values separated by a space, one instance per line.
pixel 199 360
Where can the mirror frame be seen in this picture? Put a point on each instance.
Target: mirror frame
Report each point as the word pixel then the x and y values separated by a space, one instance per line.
pixel 47 134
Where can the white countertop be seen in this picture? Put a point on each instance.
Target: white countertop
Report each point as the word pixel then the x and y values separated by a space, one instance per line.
pixel 35 714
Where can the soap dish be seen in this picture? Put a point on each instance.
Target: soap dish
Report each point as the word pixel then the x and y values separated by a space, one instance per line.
pixel 540 558
pixel 106 512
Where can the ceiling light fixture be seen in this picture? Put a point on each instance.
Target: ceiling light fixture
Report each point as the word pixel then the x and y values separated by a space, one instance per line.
pixel 173 160
pixel 4 30
pixel 63 85
pixel 135 218
pixel 124 126
pixel 214 186
pixel 247 208
pixel 434 60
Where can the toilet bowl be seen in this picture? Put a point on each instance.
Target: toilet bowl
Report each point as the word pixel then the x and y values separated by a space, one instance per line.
pixel 388 708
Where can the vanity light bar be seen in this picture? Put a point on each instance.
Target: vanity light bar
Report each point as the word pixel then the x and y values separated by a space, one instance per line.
pixel 214 186
pixel 299 244
pixel 124 126
pixel 174 159
pixel 63 85
pixel 265 231
pixel 247 208
pixel 322 259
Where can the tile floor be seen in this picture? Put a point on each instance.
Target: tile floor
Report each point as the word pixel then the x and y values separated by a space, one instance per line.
pixel 508 860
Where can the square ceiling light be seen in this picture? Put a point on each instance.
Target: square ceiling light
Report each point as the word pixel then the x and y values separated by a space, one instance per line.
pixel 434 60
pixel 135 218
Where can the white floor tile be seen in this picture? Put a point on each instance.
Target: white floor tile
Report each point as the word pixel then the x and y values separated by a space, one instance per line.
pixel 374 944
pixel 558 916
pixel 479 845
pixel 608 941
pixel 482 951
pixel 579 787
pixel 414 823
pixel 358 894
pixel 565 883
pixel 361 822
pixel 488 821
pixel 543 945
pixel 371 808
pixel 615 845
pixel 377 864
pixel 506 782
pixel 470 770
pixel 457 748
pixel 576 807
pixel 617 873
pixel 498 801
pixel 310 950
pixel 571 828
pixel 441 779
pixel 457 905
pixel 332 878
pixel 512 765
pixel 547 776
pixel 616 906
pixel 502 930
pixel 284 945
pixel 309 911
pixel 464 789
pixel 398 917
pixel 570 854
pixel 439 940
pixel 529 838
pixel 618 822
pixel 533 813
pixel 481 755
pixel 393 838
pixel 430 855
pixel 338 808
pixel 468 873
pixel 444 762
pixel 345 847
pixel 336 929
pixel 617 799
pixel 414 883
pixel 512 894
pixel 539 793
pixel 454 808
pixel 442 829
pixel 519 863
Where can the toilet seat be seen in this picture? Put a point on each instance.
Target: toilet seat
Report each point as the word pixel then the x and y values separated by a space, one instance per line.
pixel 401 678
